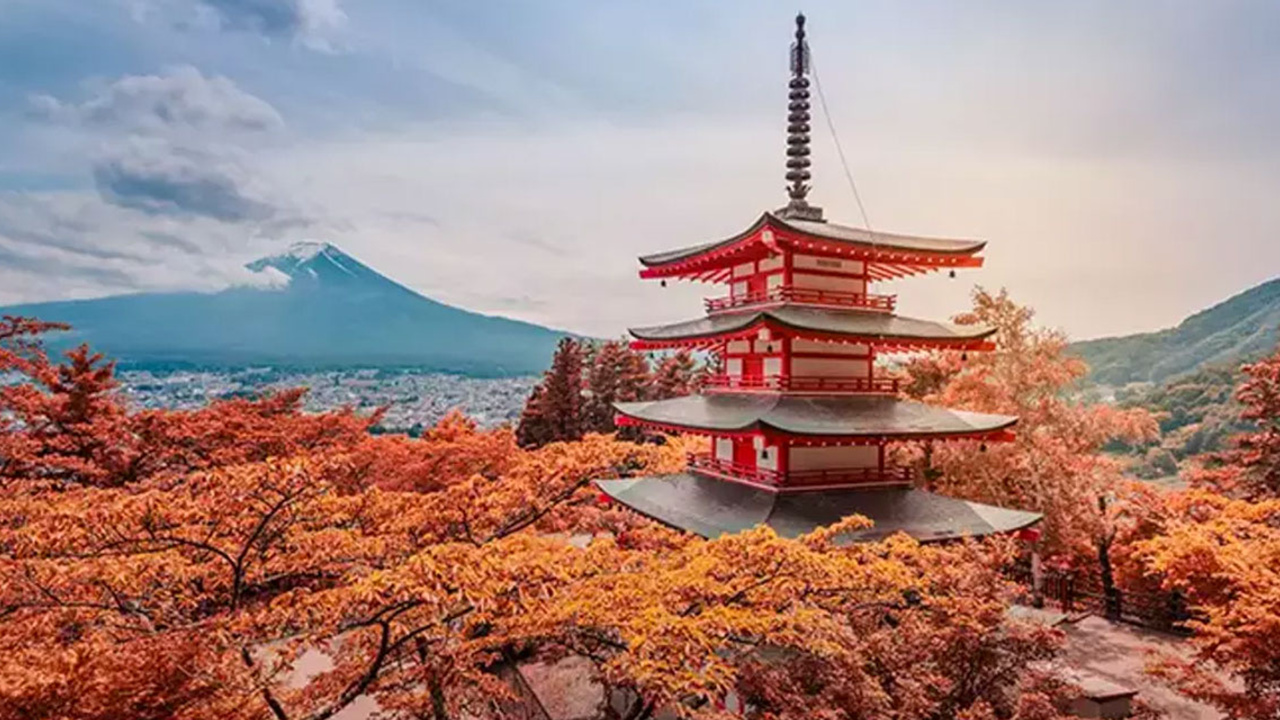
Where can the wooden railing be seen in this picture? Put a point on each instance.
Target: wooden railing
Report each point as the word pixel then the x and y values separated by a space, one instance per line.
pixel 804 296
pixel 712 465
pixel 1074 591
pixel 801 384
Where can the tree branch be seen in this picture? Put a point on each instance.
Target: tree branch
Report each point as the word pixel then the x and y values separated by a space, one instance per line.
pixel 276 708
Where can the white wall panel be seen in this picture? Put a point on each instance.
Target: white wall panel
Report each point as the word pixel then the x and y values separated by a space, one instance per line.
pixel 824 458
pixel 801 345
pixel 840 265
pixel 823 367
pixel 829 282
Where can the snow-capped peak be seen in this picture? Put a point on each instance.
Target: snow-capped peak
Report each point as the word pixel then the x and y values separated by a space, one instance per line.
pixel 315 261
pixel 306 250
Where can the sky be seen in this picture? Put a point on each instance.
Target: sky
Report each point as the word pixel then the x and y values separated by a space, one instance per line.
pixel 513 157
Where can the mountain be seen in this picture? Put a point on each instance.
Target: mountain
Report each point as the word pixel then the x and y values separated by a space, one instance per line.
pixel 326 310
pixel 1241 328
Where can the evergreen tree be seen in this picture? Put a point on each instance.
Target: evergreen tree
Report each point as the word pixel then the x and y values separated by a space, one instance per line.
pixel 617 374
pixel 554 409
pixel 678 374
pixel 533 430
pixel 577 394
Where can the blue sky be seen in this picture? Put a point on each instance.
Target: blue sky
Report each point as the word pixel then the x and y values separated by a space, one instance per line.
pixel 514 156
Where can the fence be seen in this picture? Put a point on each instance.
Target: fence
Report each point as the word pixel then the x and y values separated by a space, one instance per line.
pixel 1075 591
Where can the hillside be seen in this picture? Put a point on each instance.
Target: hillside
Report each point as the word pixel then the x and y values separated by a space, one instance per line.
pixel 1240 328
pixel 333 312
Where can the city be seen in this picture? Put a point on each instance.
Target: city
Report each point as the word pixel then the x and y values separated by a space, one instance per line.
pixel 412 400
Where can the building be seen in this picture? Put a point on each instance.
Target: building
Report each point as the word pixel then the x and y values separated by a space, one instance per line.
pixel 797 418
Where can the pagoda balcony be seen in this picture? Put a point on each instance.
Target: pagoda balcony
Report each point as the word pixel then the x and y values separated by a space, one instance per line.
pixel 802 384
pixel 803 296
pixel 794 480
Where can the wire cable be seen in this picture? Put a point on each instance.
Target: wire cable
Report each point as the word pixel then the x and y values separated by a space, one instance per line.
pixel 844 163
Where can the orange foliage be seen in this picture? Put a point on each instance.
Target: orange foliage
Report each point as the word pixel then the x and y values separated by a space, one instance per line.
pixel 804 628
pixel 1219 546
pixel 66 425
pixel 1224 555
pixel 1251 467
pixel 177 564
pixel 1056 465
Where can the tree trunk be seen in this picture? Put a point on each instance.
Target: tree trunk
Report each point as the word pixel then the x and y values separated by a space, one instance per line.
pixel 438 705
pixel 1110 593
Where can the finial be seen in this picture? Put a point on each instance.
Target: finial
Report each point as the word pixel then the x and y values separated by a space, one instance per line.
pixel 798 132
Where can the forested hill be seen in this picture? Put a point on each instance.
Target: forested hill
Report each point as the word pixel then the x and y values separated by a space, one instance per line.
pixel 326 310
pixel 1241 328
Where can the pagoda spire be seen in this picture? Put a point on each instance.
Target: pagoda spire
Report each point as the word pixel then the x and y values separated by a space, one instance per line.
pixel 798 132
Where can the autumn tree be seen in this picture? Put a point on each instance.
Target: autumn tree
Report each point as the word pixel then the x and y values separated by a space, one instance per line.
pixel 194 585
pixel 1250 468
pixel 66 424
pixel 1056 464
pixel 1222 554
pixel 191 596
pixel 1218 546
pixel 808 628
pixel 196 600
pixel 241 430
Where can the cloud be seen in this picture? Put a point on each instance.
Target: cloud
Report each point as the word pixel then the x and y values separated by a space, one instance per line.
pixel 158 178
pixel 179 100
pixel 312 23
pixel 268 278
pixel 1122 163
pixel 175 143
pixel 60 245
pixel 306 19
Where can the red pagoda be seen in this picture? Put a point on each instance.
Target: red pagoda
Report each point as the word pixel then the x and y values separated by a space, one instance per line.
pixel 796 416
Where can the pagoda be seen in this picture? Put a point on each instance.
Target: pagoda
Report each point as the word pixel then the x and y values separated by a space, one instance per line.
pixel 797 417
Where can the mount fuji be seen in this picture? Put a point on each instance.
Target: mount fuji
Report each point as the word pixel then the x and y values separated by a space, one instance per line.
pixel 322 309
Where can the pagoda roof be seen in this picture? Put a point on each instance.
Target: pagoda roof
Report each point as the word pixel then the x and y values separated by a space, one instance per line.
pixel 853 237
pixel 868 325
pixel 844 416
pixel 711 507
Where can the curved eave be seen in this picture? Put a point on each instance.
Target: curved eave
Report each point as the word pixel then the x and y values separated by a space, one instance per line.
pixel 668 257
pixel 853 420
pixel 843 326
pixel 1006 434
pixel 711 508
pixel 878 241
pixel 892 255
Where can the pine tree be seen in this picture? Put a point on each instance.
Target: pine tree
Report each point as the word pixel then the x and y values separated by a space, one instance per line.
pixel 533 430
pixel 678 374
pixel 617 374
pixel 554 409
